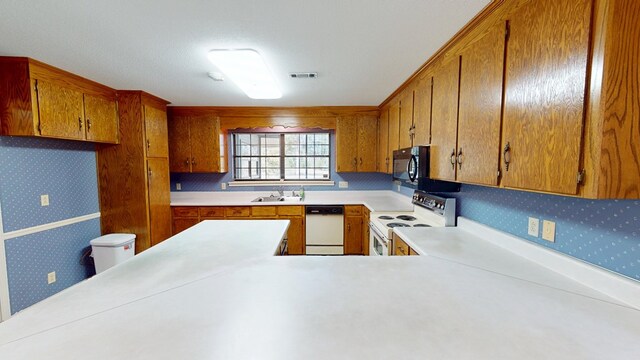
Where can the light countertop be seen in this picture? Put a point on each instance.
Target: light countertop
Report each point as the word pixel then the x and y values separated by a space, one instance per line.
pixel 379 200
pixel 218 304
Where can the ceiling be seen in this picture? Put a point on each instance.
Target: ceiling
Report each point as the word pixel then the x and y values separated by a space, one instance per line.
pixel 362 49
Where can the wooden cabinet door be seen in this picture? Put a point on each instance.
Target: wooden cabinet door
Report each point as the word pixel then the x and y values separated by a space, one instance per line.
pixel 367 132
pixel 406 120
pixel 383 141
pixel 101 119
pixel 346 144
pixel 159 202
pixel 546 69
pixel 444 121
pixel 205 144
pixel 61 111
pixel 155 123
pixel 394 129
pixel 353 235
pixel 295 235
pixel 180 225
pixel 422 113
pixel 480 109
pixel 179 144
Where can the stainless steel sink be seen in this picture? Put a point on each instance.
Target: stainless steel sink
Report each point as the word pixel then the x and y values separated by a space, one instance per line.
pixel 273 198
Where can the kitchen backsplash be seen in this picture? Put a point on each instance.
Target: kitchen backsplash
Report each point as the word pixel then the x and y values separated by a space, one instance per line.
pixel 602 232
pixel 213 182
pixel 66 171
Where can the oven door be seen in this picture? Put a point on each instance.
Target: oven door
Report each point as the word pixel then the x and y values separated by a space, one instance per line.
pixel 378 243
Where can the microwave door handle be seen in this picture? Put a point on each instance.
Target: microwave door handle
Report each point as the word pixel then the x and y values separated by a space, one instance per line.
pixel 412 176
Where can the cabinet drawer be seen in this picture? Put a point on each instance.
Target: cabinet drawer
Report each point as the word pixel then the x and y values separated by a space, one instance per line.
pixel 353 210
pixel 237 211
pixel 185 211
pixel 211 212
pixel 400 247
pixel 263 211
pixel 290 210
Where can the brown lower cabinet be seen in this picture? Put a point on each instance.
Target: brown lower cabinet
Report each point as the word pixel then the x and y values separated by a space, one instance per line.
pixel 186 216
pixel 401 248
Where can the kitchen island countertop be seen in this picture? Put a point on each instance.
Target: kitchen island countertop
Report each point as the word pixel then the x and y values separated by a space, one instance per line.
pixel 258 306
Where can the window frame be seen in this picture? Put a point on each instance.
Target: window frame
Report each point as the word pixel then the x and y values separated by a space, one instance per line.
pixel 282 156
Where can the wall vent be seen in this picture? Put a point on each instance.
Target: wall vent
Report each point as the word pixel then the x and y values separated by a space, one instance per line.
pixel 304 75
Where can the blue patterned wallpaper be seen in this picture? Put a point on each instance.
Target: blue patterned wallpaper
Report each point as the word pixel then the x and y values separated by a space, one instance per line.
pixel 66 171
pixel 212 182
pixel 30 167
pixel 602 232
pixel 30 258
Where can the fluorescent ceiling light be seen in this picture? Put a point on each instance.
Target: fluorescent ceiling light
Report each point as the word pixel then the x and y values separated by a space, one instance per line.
pixel 246 69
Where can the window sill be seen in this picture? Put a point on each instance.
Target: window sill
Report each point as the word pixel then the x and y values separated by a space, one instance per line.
pixel 282 183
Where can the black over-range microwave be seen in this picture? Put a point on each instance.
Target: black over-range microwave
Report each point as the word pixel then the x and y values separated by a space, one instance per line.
pixel 411 169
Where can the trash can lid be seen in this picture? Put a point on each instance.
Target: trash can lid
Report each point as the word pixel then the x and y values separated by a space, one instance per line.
pixel 113 240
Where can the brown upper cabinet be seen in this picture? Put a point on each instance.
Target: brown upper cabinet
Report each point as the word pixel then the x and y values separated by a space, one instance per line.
pixel 355 143
pixel 406 119
pixel 444 120
pixel 39 100
pixel 197 144
pixel 383 142
pixel 479 115
pixel 546 71
pixel 394 131
pixel 422 112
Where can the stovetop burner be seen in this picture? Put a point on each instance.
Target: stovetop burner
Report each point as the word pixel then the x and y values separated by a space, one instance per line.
pixel 385 217
pixel 406 217
pixel 395 225
pixel 421 225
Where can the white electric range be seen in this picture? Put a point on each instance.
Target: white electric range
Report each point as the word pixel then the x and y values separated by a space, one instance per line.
pixel 428 211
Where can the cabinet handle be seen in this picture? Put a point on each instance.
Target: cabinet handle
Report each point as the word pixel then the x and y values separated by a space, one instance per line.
pixel 460 157
pixel 79 123
pixel 88 124
pixel 193 161
pixel 148 144
pixel 360 161
pixel 150 174
pixel 506 154
pixel 186 162
pixel 355 162
pixel 349 227
pixel 452 158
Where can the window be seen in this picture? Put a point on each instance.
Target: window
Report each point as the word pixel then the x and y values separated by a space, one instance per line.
pixel 273 156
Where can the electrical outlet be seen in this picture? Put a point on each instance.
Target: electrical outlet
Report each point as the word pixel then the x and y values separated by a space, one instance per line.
pixel 44 200
pixel 223 186
pixel 343 184
pixel 549 230
pixel 534 226
pixel 178 186
pixel 51 277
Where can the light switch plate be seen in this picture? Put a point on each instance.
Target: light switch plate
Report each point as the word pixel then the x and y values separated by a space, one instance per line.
pixel 51 277
pixel 223 186
pixel 534 226
pixel 178 186
pixel 549 230
pixel 343 184
pixel 44 200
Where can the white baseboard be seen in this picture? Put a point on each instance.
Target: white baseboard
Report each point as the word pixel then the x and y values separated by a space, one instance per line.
pixel 619 287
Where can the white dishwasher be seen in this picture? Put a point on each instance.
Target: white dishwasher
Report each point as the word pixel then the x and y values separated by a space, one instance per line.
pixel 325 230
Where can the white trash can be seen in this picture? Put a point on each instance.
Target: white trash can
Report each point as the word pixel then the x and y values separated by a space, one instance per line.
pixel 112 249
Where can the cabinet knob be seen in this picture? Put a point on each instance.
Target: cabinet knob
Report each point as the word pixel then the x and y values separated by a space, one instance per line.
pixel 80 123
pixel 506 155
pixel 452 158
pixel 148 144
pixel 193 161
pixel 88 124
pixel 460 158
pixel 186 162
pixel 360 161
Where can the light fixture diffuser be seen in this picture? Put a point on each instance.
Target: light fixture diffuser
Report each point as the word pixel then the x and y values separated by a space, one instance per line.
pixel 247 69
